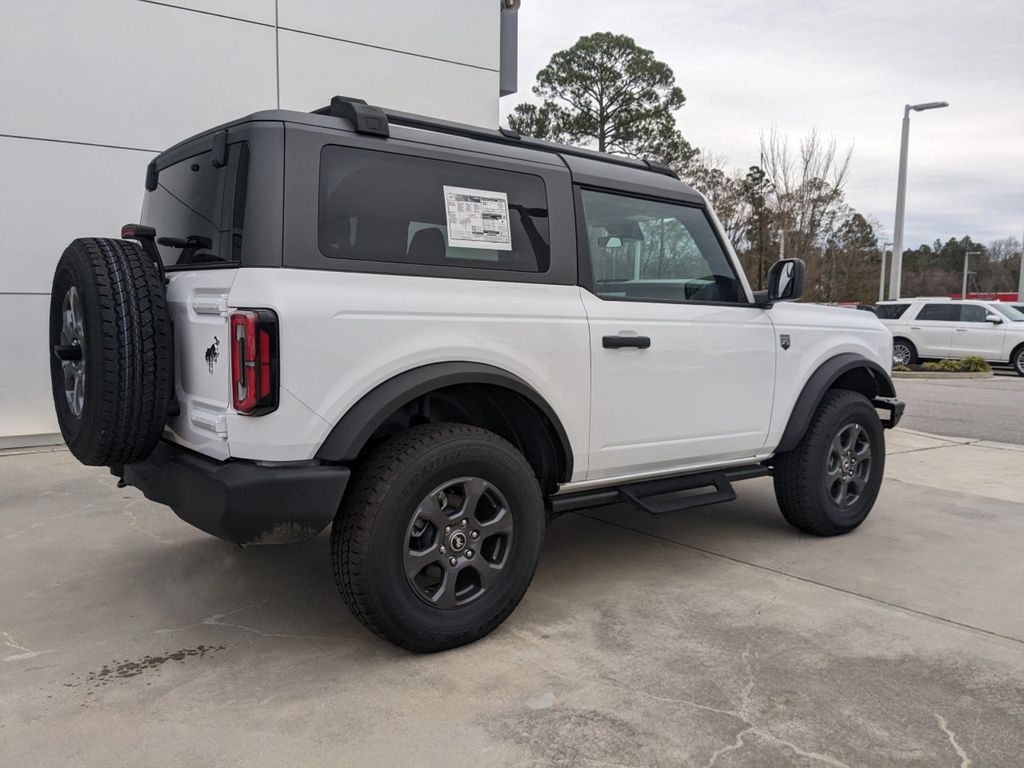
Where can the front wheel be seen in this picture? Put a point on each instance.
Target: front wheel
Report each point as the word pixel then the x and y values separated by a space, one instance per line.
pixel 828 484
pixel 439 536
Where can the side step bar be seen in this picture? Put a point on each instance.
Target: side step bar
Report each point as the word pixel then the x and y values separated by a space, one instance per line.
pixel 663 495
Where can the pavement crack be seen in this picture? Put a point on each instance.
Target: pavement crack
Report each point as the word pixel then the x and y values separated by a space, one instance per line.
pixel 683 702
pixel 26 653
pixel 215 621
pixel 818 756
pixel 135 524
pixel 965 761
pixel 737 744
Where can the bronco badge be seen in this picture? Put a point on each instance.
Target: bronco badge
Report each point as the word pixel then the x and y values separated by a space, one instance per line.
pixel 212 353
pixel 783 340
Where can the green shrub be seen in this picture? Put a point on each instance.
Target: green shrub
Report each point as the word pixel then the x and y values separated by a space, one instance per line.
pixel 975 364
pixel 902 368
pixel 972 364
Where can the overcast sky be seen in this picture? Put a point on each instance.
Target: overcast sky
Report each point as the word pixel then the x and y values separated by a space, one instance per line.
pixel 847 68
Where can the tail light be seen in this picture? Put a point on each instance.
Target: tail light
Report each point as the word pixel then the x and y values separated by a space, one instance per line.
pixel 255 369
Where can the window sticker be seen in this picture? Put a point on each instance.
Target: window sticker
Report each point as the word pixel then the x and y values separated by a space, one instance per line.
pixel 477 218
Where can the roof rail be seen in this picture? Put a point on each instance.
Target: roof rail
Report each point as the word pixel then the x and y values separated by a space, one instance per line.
pixel 366 119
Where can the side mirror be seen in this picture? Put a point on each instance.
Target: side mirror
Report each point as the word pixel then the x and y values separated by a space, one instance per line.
pixel 994 319
pixel 786 280
pixel 609 242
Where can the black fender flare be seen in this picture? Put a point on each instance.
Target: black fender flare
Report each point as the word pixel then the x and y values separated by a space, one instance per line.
pixel 357 425
pixel 820 382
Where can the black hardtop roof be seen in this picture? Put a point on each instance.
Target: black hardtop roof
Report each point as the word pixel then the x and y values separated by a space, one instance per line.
pixel 588 167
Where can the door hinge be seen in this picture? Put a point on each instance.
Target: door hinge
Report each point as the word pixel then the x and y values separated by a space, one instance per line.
pixel 210 420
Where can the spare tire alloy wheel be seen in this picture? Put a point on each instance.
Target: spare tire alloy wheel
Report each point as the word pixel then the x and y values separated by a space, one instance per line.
pixel 70 351
pixel 110 351
pixel 458 542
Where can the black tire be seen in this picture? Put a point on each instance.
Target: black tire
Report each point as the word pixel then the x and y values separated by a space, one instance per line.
pixel 124 342
pixel 901 358
pixel 371 535
pixel 1017 360
pixel 803 486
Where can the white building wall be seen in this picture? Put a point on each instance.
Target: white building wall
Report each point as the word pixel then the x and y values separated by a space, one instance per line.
pixel 90 91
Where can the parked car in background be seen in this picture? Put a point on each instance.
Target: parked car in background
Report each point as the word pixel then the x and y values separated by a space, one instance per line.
pixel 939 328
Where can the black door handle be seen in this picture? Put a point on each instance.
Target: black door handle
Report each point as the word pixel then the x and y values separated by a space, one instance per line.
pixel 618 342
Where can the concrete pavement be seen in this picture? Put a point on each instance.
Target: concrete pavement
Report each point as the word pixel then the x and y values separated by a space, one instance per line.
pixel 989 409
pixel 718 637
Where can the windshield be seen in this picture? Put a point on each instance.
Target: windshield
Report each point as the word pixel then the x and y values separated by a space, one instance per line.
pixel 1008 312
pixel 198 210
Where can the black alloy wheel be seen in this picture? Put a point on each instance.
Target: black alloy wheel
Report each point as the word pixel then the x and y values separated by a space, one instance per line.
pixel 458 542
pixel 848 465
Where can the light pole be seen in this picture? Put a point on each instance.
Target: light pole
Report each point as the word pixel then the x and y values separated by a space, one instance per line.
pixel 1020 284
pixel 901 195
pixel 967 258
pixel 881 274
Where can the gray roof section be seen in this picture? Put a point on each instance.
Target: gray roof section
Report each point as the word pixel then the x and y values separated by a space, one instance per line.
pixel 587 167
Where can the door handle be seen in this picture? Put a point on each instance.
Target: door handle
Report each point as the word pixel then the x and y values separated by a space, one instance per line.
pixel 961 330
pixel 618 342
pixel 915 327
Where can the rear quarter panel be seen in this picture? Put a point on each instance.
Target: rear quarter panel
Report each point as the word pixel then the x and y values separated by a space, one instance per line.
pixel 344 333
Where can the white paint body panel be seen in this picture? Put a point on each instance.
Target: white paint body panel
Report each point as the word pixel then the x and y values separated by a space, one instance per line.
pixel 715 389
pixel 702 391
pixel 817 334
pixel 194 300
pixel 343 333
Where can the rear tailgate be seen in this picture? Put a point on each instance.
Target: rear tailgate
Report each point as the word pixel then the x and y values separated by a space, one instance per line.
pixel 197 301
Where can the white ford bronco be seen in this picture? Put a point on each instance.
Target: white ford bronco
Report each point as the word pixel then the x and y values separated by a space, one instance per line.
pixel 435 338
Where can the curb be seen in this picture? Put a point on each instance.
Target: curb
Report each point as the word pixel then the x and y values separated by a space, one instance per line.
pixel 964 441
pixel 942 375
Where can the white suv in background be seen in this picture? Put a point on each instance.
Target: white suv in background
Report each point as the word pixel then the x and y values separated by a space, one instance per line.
pixel 952 329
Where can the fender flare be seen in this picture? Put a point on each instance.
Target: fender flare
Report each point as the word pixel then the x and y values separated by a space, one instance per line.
pixel 357 425
pixel 819 383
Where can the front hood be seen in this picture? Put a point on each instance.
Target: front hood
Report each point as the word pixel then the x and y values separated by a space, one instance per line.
pixel 819 316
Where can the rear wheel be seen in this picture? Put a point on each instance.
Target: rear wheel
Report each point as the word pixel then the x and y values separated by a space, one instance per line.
pixel 438 538
pixel 1017 360
pixel 903 352
pixel 828 484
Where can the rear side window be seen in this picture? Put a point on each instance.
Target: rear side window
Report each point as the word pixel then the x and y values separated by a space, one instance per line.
pixel 377 206
pixel 198 211
pixel 890 311
pixel 941 312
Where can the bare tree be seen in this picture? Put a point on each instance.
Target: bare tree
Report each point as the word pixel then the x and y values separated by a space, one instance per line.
pixel 710 175
pixel 806 187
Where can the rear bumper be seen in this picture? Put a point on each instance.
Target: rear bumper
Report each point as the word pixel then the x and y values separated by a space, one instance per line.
pixel 240 501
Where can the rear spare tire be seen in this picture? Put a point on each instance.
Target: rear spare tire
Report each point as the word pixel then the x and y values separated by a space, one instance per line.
pixel 110 351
